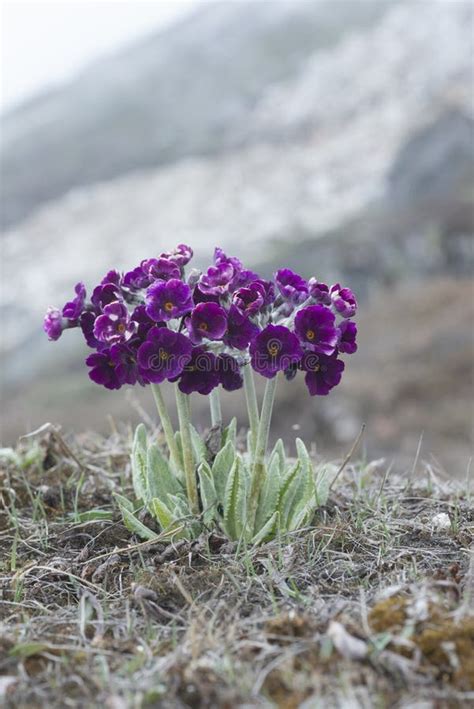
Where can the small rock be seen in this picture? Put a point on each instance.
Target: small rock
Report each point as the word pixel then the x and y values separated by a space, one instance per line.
pixel 347 645
pixel 441 522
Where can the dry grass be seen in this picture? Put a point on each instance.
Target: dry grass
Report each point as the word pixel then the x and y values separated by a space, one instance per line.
pixel 371 606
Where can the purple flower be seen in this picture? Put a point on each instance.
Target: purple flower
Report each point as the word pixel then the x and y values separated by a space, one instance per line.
pixel 104 294
pixel 200 297
pixel 248 300
pixel 165 301
pixel 200 374
pixel 126 367
pixel 53 323
pixel 240 330
pixel 266 288
pixel 322 373
pixel 207 320
pixel 315 327
pixel 104 369
pixel 217 279
pixel 163 355
pixel 220 257
pixel 319 291
pixel 274 349
pixel 291 285
pixel 114 325
pixel 255 297
pixel 343 300
pixel 229 372
pixel 112 277
pixel 86 323
pixel 347 337
pixel 74 307
pixel 143 322
pixel 244 278
pixel 115 366
pixel 181 254
pixel 161 269
pixel 136 279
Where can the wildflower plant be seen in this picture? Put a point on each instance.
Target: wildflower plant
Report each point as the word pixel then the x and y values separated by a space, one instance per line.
pixel 202 331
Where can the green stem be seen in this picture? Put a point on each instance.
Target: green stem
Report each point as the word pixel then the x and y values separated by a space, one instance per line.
pixel 258 468
pixel 215 403
pixel 252 406
pixel 166 425
pixel 182 402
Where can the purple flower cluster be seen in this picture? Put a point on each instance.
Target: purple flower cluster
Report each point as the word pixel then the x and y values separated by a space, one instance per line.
pixel 155 323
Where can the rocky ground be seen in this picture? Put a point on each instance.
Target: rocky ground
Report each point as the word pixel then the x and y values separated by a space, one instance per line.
pixel 369 606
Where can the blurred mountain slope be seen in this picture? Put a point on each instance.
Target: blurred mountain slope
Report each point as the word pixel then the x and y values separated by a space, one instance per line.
pixel 188 90
pixel 354 174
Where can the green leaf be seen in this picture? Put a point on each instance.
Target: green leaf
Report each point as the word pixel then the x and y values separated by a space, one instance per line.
pixel 161 512
pixel 180 509
pixel 234 501
pixel 139 462
pixel 278 452
pixel 93 515
pixel 123 502
pixel 131 522
pixel 208 493
pixel 229 434
pixel 268 530
pixel 269 496
pixel 322 485
pixel 307 472
pixel 302 515
pixel 160 479
pixel 292 485
pixel 170 519
pixel 288 476
pixel 179 506
pixel 221 468
pixel 200 449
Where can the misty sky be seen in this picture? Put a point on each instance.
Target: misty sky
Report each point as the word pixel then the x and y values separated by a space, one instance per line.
pixel 44 43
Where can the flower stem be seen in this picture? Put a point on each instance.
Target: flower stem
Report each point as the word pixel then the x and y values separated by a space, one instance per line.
pixel 215 403
pixel 182 402
pixel 252 406
pixel 166 425
pixel 258 468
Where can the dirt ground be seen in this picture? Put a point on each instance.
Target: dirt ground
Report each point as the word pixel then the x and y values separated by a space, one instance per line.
pixel 371 606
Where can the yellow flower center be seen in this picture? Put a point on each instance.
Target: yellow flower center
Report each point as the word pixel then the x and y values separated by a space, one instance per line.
pixel 273 349
pixel 310 335
pixel 121 328
pixel 163 354
pixel 317 367
pixel 169 306
pixel 203 326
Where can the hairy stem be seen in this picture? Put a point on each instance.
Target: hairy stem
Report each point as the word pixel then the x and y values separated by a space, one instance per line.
pixel 258 468
pixel 182 402
pixel 252 406
pixel 215 404
pixel 166 425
